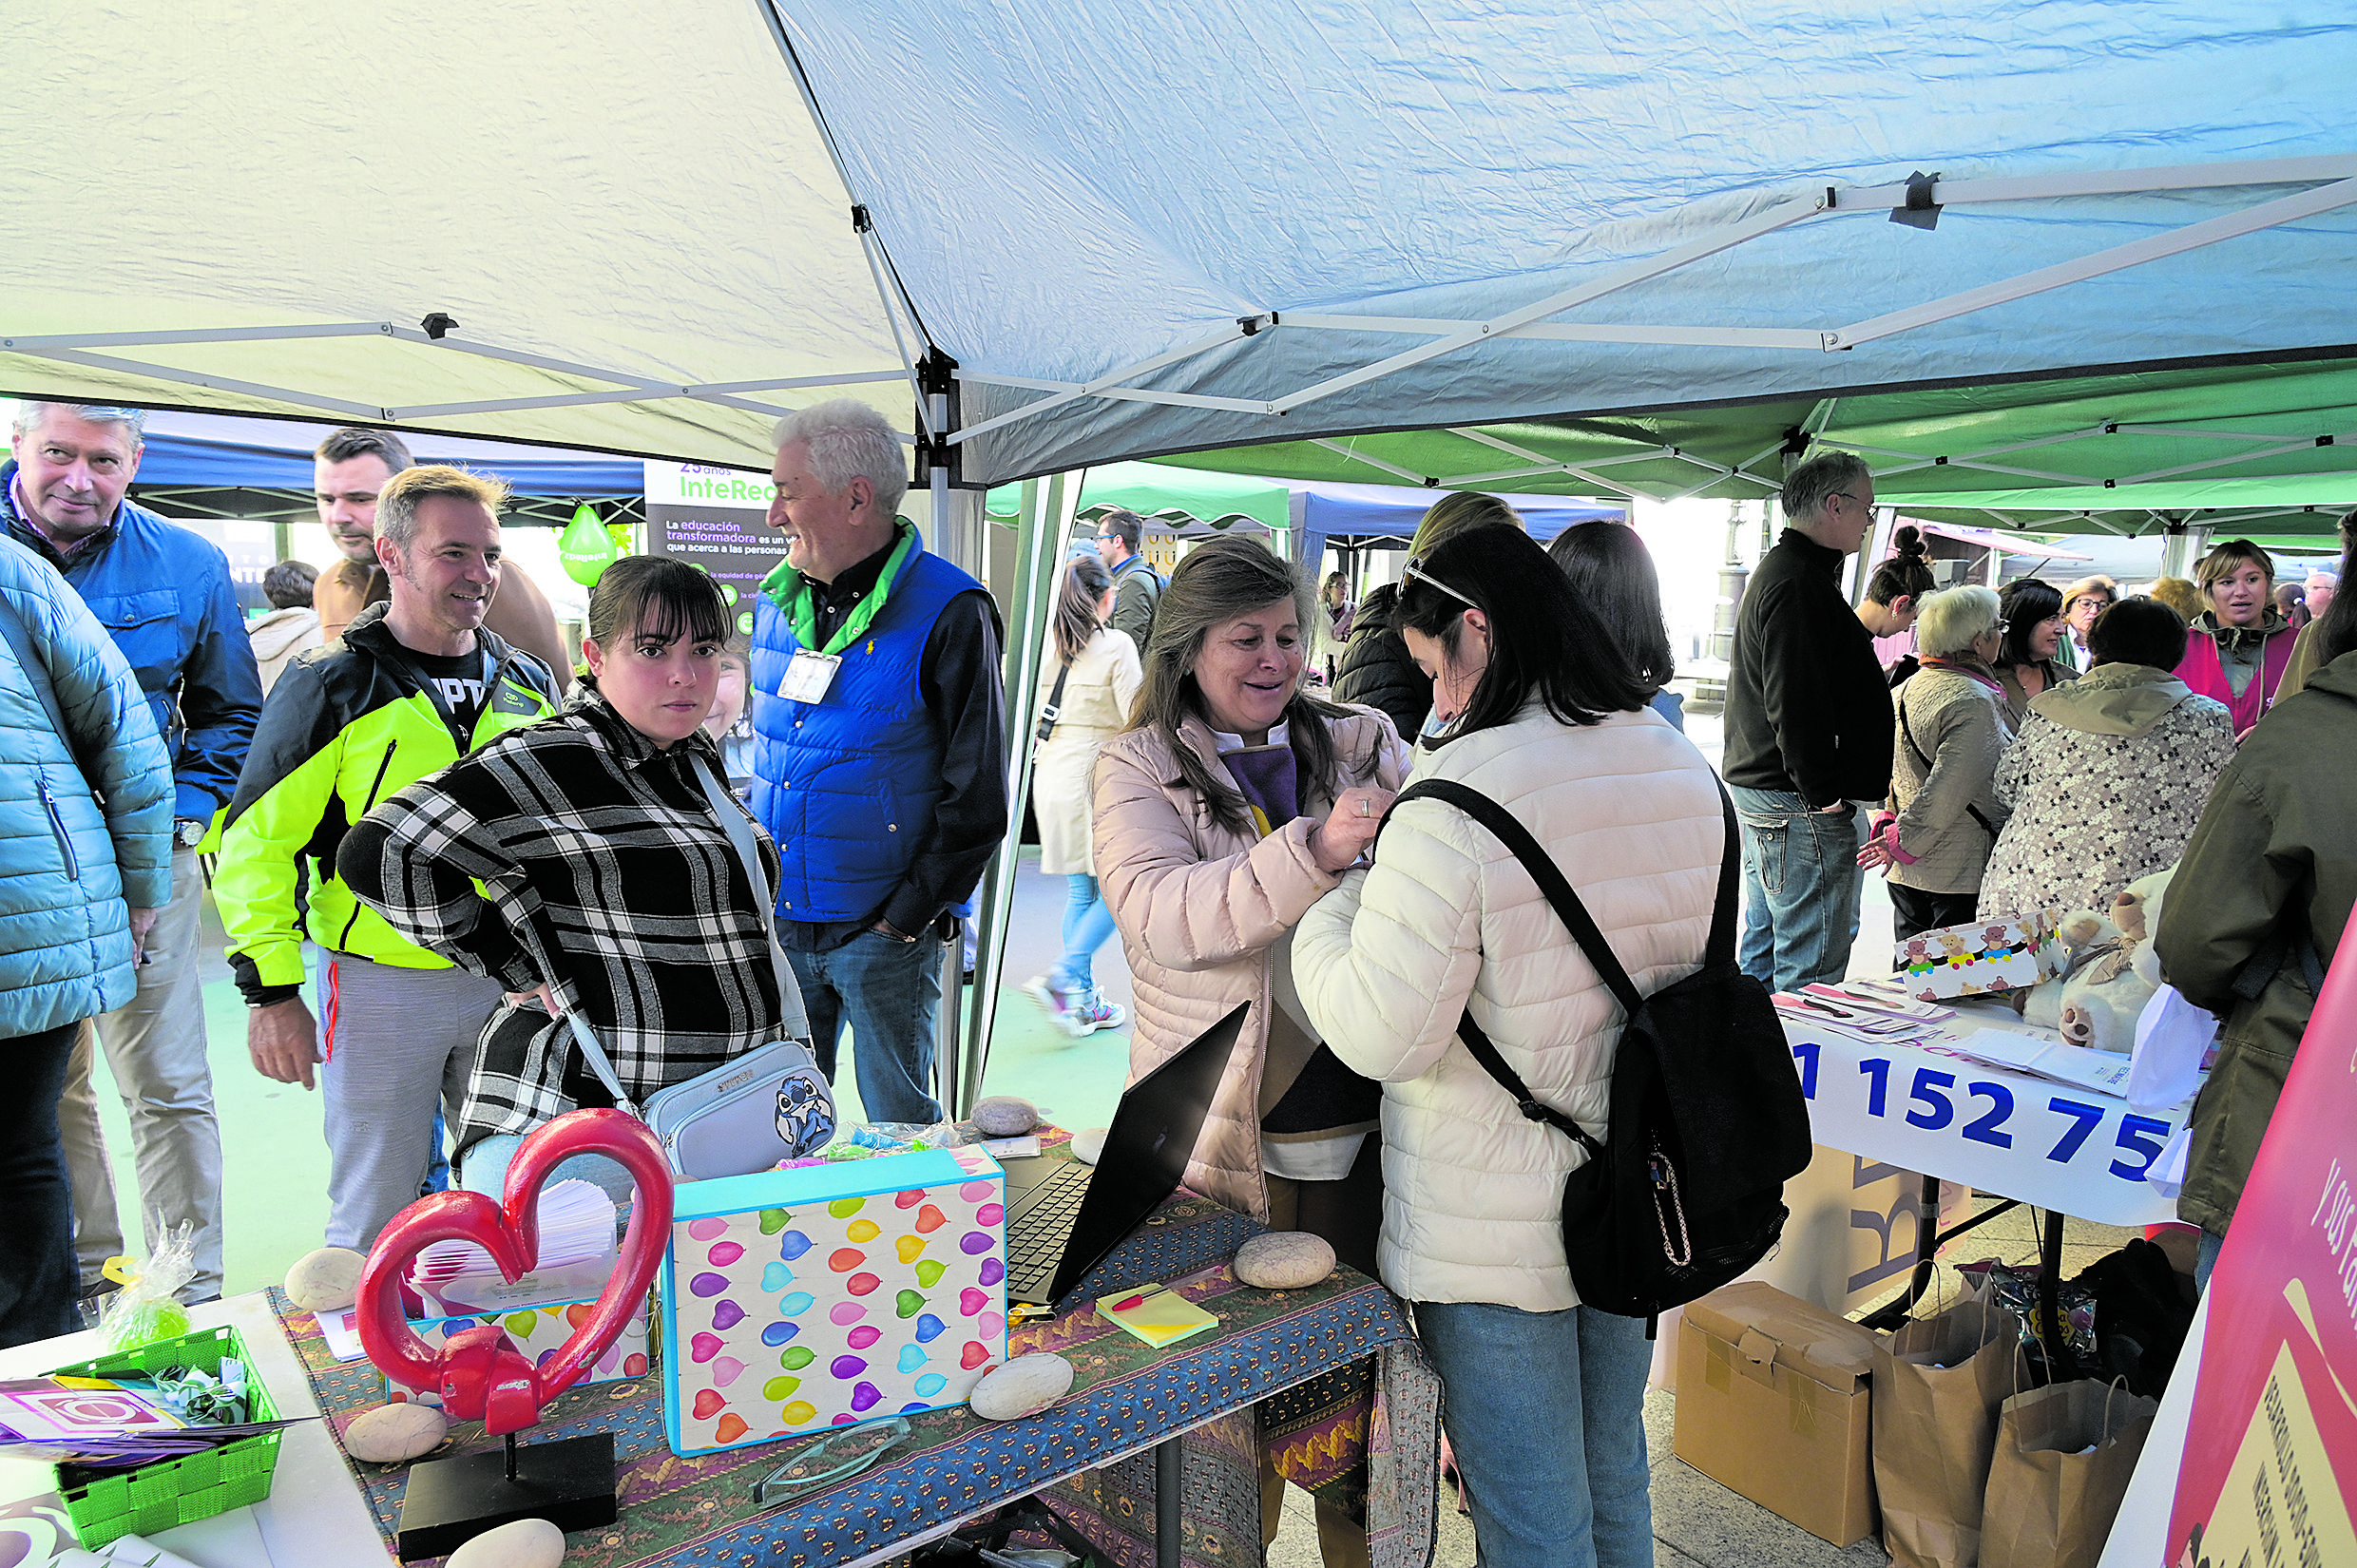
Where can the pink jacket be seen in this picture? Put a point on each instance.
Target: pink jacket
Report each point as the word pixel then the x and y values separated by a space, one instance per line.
pixel 1198 905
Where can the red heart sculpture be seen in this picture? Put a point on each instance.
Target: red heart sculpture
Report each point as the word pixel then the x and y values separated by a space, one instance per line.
pixel 480 1373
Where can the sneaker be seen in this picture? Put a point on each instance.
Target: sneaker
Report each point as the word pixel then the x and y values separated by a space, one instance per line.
pixel 1085 1015
pixel 1039 989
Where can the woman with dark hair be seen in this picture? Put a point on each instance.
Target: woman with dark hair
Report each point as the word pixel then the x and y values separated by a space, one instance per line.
pixel 2109 774
pixel 1545 715
pixel 1935 839
pixel 1083 705
pixel 2029 660
pixel 2323 593
pixel 582 862
pixel 1235 801
pixel 2274 863
pixel 1375 669
pixel 1894 593
pixel 1611 572
pixel 2240 647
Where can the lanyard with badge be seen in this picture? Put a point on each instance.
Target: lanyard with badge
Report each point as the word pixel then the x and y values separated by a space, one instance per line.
pixel 808 675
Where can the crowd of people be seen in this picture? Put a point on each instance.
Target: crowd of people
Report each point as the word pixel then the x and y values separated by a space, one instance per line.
pixel 491 854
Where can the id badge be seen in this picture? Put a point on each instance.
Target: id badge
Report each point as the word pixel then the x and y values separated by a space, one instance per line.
pixel 808 676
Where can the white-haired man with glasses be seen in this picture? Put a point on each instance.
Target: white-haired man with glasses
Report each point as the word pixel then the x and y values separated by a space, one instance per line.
pixel 1808 730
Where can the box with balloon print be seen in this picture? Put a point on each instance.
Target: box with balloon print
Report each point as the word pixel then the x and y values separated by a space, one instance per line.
pixel 538 1331
pixel 801 1299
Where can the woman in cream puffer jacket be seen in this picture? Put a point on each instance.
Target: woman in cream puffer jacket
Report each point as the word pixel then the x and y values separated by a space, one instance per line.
pixel 1545 1395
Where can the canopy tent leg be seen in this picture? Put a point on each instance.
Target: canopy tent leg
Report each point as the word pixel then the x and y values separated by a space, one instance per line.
pixel 1047 518
pixel 2184 545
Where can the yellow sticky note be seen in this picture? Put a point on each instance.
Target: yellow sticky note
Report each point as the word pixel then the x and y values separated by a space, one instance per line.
pixel 1157 1315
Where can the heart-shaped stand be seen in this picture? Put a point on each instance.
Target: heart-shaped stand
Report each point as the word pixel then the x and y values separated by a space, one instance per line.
pixel 480 1374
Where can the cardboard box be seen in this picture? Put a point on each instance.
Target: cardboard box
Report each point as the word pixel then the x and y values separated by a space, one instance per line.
pixel 801 1299
pixel 1988 957
pixel 1773 1404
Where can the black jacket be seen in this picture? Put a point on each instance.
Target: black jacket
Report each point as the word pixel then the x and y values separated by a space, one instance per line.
pixel 1376 671
pixel 1806 710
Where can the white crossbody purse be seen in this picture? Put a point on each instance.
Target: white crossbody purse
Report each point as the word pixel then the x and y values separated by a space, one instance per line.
pixel 746 1115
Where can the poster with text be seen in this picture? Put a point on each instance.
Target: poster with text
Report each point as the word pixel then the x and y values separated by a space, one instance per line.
pixel 718 519
pixel 2270 1455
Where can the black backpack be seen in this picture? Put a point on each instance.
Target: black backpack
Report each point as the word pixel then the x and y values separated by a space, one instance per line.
pixel 1686 1190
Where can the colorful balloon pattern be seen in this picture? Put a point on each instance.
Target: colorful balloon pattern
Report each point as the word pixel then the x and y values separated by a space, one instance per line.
pixel 862 1335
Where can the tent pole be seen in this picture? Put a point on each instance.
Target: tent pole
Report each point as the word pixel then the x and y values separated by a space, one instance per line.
pixel 1046 517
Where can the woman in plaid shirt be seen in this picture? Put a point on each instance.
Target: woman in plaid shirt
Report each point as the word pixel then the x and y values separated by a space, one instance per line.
pixel 578 862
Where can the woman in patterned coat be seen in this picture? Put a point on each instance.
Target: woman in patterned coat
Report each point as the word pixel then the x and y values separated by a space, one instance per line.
pixel 2109 774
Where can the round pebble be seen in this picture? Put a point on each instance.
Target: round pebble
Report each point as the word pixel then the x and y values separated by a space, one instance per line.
pixel 1023 1386
pixel 1284 1260
pixel 392 1433
pixel 325 1281
pixel 525 1543
pixel 1005 1116
pixel 1087 1144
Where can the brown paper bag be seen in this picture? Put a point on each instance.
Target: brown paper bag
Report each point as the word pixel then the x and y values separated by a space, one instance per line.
pixel 2049 1505
pixel 1938 1383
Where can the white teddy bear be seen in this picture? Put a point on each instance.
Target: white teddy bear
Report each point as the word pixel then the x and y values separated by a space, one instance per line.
pixel 2113 971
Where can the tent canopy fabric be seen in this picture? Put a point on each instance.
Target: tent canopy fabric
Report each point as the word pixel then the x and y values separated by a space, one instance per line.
pixel 1194 504
pixel 1295 221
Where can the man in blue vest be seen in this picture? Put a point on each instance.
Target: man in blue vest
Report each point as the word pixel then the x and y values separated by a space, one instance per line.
pixel 879 748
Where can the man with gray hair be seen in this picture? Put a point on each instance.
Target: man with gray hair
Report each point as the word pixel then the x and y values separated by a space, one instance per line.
pixel 164 596
pixel 1808 732
pixel 880 747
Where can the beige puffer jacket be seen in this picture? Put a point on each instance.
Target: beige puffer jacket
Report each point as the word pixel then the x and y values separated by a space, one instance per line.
pixel 1198 905
pixel 1472 1192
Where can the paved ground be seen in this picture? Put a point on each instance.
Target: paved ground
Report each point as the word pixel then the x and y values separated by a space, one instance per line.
pixel 277 1175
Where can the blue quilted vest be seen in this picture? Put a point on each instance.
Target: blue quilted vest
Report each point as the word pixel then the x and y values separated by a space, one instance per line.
pixel 847 785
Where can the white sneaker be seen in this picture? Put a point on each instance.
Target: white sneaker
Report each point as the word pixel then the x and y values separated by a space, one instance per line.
pixel 1088 1014
pixel 1041 990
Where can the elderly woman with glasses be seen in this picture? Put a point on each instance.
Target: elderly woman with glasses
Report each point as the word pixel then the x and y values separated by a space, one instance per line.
pixel 1234 802
pixel 1944 816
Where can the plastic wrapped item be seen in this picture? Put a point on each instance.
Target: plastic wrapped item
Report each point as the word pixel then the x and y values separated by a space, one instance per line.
pixel 2016 1290
pixel 145 1310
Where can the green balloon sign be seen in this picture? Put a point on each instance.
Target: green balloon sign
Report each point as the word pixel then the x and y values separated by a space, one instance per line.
pixel 587 547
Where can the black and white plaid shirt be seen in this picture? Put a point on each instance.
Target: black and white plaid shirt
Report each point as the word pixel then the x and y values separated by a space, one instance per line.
pixel 602 871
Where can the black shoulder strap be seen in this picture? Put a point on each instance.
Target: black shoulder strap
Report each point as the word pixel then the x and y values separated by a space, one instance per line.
pixel 1907 730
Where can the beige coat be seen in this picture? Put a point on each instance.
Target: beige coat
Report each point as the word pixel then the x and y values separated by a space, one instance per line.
pixel 1199 905
pixel 1097 699
pixel 1448 919
pixel 1946 774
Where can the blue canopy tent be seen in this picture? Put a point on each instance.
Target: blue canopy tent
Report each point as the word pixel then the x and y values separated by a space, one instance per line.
pixel 1353 518
pixel 213 467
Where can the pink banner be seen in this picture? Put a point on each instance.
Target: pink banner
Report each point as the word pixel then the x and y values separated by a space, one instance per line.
pixel 2271 1457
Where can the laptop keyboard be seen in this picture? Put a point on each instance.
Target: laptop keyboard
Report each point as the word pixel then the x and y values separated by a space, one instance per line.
pixel 1038 1227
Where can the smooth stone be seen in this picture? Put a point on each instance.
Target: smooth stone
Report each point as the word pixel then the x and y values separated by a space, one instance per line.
pixel 325 1281
pixel 1284 1260
pixel 525 1543
pixel 1023 1386
pixel 1005 1116
pixel 1087 1144
pixel 392 1433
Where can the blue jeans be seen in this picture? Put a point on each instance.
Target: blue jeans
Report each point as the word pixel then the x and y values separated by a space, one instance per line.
pixel 37 1273
pixel 1087 922
pixel 1800 882
pixel 2205 1259
pixel 1545 1411
pixel 889 991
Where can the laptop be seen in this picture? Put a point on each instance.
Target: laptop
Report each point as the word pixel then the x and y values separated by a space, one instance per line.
pixel 1062 1216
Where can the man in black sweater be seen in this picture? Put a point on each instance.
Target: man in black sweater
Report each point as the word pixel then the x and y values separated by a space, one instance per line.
pixel 1807 731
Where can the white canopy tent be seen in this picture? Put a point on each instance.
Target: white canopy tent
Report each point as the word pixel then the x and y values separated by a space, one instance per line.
pixel 1139 231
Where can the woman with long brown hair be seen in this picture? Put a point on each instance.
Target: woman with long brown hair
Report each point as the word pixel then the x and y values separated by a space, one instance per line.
pixel 1234 802
pixel 1096 682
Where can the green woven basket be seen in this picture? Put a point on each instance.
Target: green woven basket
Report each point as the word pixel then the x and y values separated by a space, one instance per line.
pixel 106 1504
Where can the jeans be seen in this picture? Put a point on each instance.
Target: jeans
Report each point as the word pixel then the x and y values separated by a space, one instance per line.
pixel 37 1202
pixel 1799 889
pixel 889 991
pixel 156 1050
pixel 2205 1259
pixel 1545 1411
pixel 1087 922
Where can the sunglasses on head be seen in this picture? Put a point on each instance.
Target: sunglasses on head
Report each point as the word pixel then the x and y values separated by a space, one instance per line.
pixel 1415 570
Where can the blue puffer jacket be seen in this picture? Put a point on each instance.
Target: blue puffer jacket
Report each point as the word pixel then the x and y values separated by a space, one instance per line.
pixel 163 594
pixel 68 868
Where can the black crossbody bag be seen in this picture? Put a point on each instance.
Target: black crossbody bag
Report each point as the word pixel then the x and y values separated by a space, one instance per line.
pixel 1685 1192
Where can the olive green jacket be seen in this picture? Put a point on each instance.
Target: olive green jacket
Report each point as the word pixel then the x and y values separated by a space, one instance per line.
pixel 2278 838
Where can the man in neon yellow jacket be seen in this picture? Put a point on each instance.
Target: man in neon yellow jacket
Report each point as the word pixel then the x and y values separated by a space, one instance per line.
pixel 410 687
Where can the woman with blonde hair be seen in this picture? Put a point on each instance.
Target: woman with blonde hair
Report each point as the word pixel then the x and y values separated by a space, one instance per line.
pixel 2241 644
pixel 1375 668
pixel 1095 685
pixel 1234 802
pixel 1944 816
